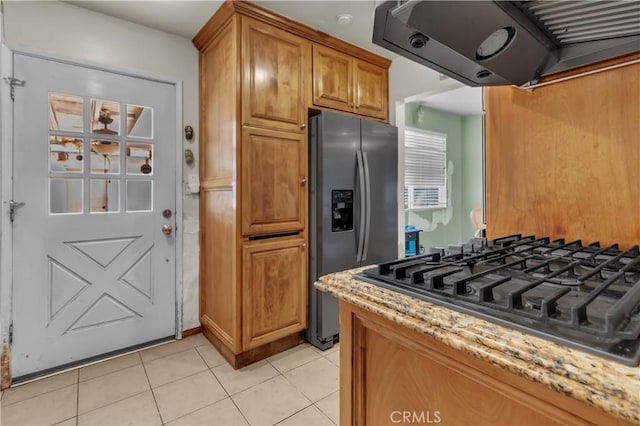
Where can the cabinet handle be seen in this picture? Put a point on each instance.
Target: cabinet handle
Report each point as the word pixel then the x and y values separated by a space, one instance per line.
pixel 303 125
pixel 303 181
pixel 357 106
pixel 352 106
pixel 303 246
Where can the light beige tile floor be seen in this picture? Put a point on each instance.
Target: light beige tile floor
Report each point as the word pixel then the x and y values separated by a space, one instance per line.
pixel 183 383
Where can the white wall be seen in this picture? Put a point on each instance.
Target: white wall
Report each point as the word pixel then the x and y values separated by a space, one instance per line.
pixel 67 31
pixel 409 80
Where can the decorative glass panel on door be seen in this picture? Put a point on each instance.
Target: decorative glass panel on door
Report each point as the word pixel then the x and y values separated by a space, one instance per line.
pixel 65 155
pixel 65 113
pixel 139 158
pixel 65 196
pixel 139 121
pixel 105 117
pixel 105 195
pixel 139 195
pixel 105 157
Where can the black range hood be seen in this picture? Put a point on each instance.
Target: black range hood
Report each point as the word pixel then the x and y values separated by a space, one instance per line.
pixel 488 43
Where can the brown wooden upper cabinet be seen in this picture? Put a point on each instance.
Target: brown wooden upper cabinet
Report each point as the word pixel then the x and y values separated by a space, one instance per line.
pixel 274 167
pixel 274 296
pixel 275 66
pixel 348 84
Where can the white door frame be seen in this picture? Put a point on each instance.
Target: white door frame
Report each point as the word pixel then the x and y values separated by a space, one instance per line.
pixel 6 181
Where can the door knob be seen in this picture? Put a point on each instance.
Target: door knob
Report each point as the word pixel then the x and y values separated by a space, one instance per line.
pixel 167 229
pixel 303 181
pixel 303 125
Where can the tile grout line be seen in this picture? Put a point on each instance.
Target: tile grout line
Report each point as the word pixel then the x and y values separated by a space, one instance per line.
pixel 223 388
pixel 78 397
pixel 320 409
pixel 302 409
pixel 38 395
pixel 153 395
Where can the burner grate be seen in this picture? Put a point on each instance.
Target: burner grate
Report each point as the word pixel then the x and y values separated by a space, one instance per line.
pixel 584 295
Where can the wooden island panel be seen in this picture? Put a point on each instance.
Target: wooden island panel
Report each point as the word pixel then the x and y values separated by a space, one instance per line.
pixel 388 371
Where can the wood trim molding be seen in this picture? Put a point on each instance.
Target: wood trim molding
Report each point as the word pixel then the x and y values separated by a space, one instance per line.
pixel 592 67
pixel 211 328
pixel 213 25
pixel 191 331
pixel 6 374
pixel 246 8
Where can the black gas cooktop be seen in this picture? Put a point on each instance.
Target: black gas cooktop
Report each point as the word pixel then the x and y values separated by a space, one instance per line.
pixel 586 297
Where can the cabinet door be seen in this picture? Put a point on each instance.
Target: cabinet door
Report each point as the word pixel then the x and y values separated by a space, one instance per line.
pixel 274 190
pixel 371 90
pixel 332 79
pixel 275 68
pixel 274 290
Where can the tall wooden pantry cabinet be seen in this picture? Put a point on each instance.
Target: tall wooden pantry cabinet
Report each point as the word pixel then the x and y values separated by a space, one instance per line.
pixel 258 85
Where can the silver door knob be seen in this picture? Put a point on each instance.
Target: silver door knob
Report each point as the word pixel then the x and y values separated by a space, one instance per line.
pixel 167 229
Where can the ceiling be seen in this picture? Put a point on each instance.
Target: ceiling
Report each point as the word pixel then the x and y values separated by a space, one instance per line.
pixel 185 18
pixel 463 101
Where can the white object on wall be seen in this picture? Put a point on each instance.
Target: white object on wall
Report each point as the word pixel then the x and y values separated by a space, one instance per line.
pixel 193 184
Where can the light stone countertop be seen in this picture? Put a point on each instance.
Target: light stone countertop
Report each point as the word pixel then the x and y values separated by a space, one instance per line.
pixel 607 385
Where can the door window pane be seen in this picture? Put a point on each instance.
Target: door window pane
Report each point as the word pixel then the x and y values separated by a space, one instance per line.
pixel 139 158
pixel 65 112
pixel 105 157
pixel 139 121
pixel 105 117
pixel 105 195
pixel 65 196
pixel 65 155
pixel 139 195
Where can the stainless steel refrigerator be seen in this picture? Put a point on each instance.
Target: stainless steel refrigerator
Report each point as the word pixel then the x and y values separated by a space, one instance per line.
pixel 353 173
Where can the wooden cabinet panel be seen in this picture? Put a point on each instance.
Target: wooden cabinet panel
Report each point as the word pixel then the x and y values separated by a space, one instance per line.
pixel 332 79
pixel 342 82
pixel 219 298
pixel 275 67
pixel 218 80
pixel 562 161
pixel 274 173
pixel 274 290
pixel 388 371
pixel 370 90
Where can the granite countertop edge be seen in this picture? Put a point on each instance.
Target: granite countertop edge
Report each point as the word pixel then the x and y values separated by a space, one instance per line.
pixel 610 386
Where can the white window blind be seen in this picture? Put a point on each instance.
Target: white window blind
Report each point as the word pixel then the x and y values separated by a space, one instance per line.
pixel 425 169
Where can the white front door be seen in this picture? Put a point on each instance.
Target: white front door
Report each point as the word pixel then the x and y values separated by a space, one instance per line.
pixel 94 165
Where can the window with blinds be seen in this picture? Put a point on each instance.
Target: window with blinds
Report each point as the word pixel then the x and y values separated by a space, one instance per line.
pixel 425 169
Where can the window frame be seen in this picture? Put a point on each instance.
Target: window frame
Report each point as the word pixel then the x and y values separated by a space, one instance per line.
pixel 416 179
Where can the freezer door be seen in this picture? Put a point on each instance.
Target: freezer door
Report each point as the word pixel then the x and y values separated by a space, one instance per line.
pixel 380 153
pixel 339 231
pixel 334 197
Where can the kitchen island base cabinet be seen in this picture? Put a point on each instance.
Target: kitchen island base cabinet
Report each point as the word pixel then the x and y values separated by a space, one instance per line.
pixel 390 374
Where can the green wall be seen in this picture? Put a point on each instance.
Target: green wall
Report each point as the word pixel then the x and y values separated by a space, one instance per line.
pixel 471 168
pixel 464 177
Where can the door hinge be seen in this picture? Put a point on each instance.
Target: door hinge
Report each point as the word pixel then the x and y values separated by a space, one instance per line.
pixel 13 206
pixel 13 82
pixel 10 333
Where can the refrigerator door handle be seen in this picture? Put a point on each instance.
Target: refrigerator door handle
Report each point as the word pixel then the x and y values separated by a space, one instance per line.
pixel 368 203
pixel 362 206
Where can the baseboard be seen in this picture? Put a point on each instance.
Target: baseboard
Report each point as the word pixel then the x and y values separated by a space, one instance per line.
pixel 249 357
pixel 191 331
